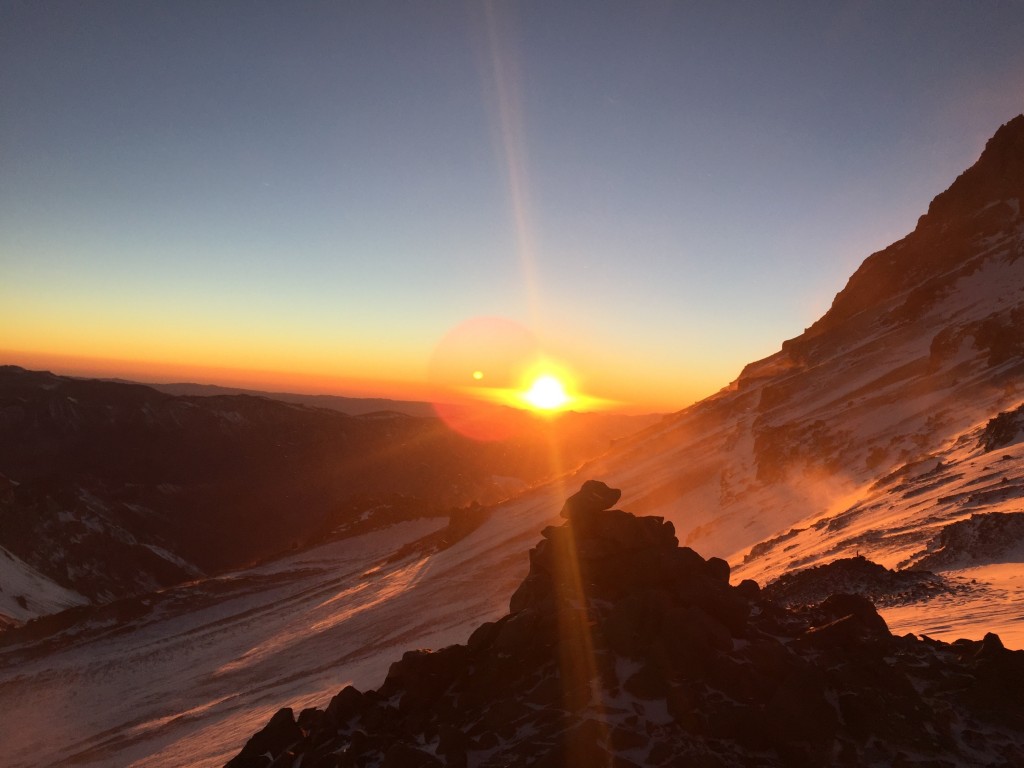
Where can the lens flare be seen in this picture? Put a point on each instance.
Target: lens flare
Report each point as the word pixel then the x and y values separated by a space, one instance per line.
pixel 472 368
pixel 490 378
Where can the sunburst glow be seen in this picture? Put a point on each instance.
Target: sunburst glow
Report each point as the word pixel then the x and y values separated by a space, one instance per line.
pixel 546 393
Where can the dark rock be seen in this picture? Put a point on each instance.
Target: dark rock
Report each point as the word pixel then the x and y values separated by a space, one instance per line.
pixel 841 633
pixel 718 569
pixel 988 537
pixel 482 636
pixel 310 719
pixel 647 683
pixel 401 755
pixel 687 563
pixel 1002 430
pixel 277 736
pixel 860 608
pixel 345 706
pixel 991 647
pixel 799 710
pixel 621 738
pixel 451 740
pixel 749 589
pixel 692 634
pixel 593 496
pixel 580 747
pixel 856 575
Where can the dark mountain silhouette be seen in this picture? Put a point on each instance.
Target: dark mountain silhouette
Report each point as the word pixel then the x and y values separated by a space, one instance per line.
pixel 113 489
pixel 624 649
pixel 352 406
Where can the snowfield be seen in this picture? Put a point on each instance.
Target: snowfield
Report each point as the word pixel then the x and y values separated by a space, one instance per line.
pixel 201 667
pixel 20 583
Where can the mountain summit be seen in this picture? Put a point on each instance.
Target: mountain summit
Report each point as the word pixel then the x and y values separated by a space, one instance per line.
pixel 623 649
pixel 997 176
pixel 983 201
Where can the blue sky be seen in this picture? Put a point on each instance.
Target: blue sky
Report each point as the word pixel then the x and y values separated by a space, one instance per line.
pixel 661 192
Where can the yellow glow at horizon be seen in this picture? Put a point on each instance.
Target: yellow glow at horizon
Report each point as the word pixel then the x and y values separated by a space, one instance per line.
pixel 546 393
pixel 78 339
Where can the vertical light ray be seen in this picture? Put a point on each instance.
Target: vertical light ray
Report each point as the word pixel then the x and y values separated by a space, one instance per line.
pixel 578 663
pixel 581 683
pixel 510 128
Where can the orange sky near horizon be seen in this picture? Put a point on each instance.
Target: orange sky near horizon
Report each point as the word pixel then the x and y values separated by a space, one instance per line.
pixel 612 391
pixel 311 199
pixel 168 372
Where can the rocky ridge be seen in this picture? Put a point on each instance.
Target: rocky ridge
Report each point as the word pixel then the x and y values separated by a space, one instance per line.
pixel 623 649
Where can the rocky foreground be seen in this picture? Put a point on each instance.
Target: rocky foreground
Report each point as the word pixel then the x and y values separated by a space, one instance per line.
pixel 622 648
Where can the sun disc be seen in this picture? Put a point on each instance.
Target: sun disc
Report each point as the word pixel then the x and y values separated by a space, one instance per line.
pixel 546 393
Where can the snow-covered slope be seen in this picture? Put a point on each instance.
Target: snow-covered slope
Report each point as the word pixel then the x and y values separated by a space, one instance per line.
pixel 183 677
pixel 959 511
pixel 134 678
pixel 26 593
pixel 880 426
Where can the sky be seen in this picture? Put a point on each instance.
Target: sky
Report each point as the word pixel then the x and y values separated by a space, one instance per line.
pixel 320 197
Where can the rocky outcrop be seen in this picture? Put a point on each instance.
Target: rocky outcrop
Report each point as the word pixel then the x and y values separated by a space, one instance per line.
pixel 990 537
pixel 900 283
pixel 624 649
pixel 1003 429
pixel 859 576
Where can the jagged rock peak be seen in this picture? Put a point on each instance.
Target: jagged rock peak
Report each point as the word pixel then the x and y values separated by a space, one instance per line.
pixel 998 175
pixel 607 553
pixel 625 650
pixel 900 282
pixel 593 496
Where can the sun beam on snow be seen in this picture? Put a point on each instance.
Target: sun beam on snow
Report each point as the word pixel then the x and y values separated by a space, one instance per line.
pixel 327 614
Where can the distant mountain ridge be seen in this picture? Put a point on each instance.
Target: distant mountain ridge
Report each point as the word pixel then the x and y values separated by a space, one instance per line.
pixel 110 489
pixel 352 406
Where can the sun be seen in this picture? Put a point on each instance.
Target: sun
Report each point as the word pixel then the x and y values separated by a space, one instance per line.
pixel 546 393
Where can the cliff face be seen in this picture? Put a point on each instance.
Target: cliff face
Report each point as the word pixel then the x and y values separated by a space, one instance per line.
pixel 624 649
pixel 982 202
